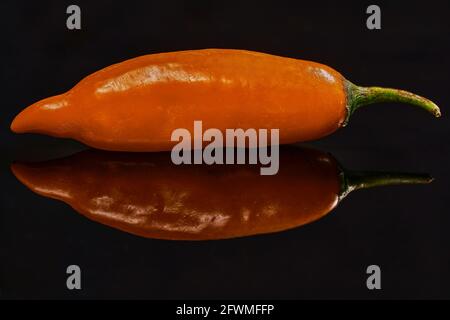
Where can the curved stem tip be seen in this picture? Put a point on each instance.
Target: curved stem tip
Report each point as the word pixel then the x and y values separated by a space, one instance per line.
pixel 361 96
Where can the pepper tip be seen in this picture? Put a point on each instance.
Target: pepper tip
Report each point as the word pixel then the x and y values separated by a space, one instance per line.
pixel 15 127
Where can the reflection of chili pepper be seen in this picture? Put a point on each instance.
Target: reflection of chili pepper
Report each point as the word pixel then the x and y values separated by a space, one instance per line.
pixel 135 105
pixel 147 195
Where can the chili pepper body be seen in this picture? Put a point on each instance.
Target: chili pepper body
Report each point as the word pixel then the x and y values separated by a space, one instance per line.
pixel 147 195
pixel 137 104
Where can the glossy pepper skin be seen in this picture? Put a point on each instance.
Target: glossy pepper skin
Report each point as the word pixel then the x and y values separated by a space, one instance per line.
pixel 135 105
pixel 147 195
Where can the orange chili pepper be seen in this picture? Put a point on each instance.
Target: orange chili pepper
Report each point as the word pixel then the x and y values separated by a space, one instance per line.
pixel 135 105
pixel 147 195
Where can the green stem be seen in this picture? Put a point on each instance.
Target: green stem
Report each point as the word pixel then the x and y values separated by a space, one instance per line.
pixel 355 180
pixel 361 96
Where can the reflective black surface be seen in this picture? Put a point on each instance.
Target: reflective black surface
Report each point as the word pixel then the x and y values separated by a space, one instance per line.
pixel 403 229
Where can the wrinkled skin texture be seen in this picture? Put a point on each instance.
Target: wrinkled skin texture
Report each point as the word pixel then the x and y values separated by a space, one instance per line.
pixel 135 105
pixel 147 195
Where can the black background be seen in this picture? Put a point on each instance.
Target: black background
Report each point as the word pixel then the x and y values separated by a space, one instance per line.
pixel 403 229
